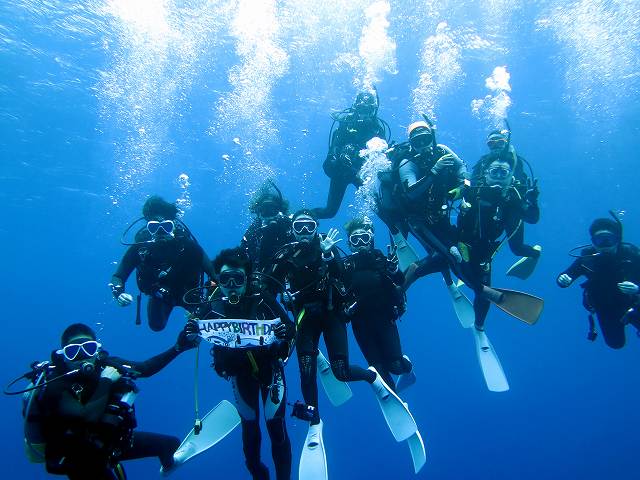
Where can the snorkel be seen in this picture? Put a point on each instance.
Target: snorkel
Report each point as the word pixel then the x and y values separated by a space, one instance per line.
pixel 432 126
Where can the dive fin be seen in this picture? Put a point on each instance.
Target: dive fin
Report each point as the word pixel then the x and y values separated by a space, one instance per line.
pixel 216 425
pixel 418 453
pixel 524 267
pixel 406 253
pixel 395 411
pixel 491 369
pixel 337 391
pixel 523 306
pixel 313 461
pixel 462 306
pixel 406 379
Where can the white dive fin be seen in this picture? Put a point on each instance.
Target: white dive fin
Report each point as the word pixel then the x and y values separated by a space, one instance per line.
pixel 395 411
pixel 313 461
pixel 490 364
pixel 406 253
pixel 216 425
pixel 462 306
pixel 524 267
pixel 406 379
pixel 337 391
pixel 418 453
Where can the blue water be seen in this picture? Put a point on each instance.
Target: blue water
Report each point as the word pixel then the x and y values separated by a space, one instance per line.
pixel 106 102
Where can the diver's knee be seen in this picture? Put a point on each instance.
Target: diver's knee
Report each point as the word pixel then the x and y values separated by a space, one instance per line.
pixel 307 366
pixel 277 430
pixel 340 370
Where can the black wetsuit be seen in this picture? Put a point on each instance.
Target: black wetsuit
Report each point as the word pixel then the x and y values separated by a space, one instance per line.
pixel 254 372
pixel 343 161
pixel 262 242
pixel 601 294
pixel 166 270
pixel 492 216
pixel 377 303
pixel 82 439
pixel 318 302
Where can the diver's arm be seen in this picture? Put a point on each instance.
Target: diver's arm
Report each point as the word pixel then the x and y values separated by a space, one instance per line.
pixel 413 186
pixel 337 189
pixel 530 212
pixel 528 205
pixel 151 366
pixel 450 162
pixel 575 270
pixel 275 309
pixel 334 264
pixel 397 278
pixel 517 245
pixel 128 264
pixel 207 266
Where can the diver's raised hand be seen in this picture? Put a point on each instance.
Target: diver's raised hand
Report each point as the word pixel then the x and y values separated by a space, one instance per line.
pixel 532 193
pixel 124 299
pixel 120 296
pixel 330 240
pixel 628 288
pixel 284 331
pixel 564 280
pixel 188 337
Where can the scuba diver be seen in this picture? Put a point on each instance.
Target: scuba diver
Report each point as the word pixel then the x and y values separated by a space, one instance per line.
pixel 491 208
pixel 418 188
pixel 417 196
pixel 374 282
pixel 492 212
pixel 79 413
pixel 252 356
pixel 356 125
pixel 168 262
pixel 500 146
pixel 313 270
pixel 612 269
pixel 270 230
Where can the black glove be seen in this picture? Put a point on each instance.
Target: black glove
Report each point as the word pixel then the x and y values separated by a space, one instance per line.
pixel 392 258
pixel 188 337
pixel 284 331
pixel 532 194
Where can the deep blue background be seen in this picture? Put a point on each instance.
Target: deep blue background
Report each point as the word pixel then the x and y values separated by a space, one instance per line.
pixel 67 144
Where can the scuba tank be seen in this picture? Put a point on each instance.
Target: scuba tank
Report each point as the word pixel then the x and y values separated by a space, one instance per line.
pixel 34 441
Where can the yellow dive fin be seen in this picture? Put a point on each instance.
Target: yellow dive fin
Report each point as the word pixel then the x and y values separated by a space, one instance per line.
pixel 523 306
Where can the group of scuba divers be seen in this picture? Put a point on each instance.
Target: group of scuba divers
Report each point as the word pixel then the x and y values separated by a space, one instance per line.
pixel 79 413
